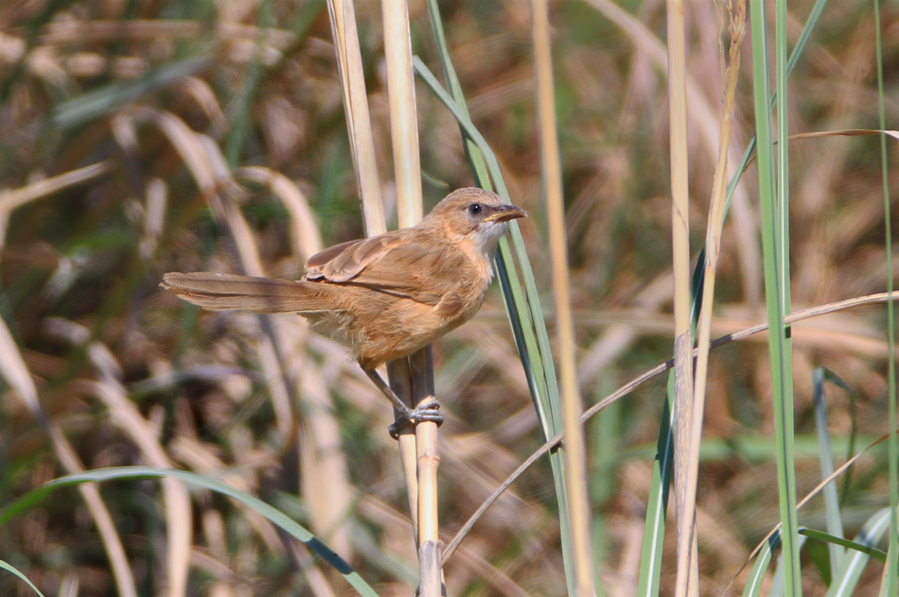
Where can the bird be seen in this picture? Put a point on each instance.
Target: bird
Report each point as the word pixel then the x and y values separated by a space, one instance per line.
pixel 383 297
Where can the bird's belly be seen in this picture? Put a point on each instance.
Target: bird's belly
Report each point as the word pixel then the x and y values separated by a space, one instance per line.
pixel 390 330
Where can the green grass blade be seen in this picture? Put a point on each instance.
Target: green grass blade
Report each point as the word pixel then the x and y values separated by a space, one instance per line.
pixel 875 553
pixel 524 309
pixel 278 518
pixel 831 499
pixel 779 583
pixel 110 98
pixel 778 344
pixel 657 504
pixel 14 570
pixel 753 587
pixel 807 29
pixel 526 306
pixel 847 576
pixel 891 580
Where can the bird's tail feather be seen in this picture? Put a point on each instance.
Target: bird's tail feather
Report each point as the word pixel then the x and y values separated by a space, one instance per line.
pixel 220 292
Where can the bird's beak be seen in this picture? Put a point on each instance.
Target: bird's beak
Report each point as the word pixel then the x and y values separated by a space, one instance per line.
pixel 504 213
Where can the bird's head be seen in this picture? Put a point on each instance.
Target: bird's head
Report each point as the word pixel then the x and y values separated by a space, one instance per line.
pixel 474 215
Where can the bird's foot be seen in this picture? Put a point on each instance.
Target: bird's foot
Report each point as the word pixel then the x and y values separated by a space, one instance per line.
pixel 426 411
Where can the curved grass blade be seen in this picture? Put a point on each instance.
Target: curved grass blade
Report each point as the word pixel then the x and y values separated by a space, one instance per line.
pixel 847 576
pixel 779 583
pixel 14 570
pixel 109 98
pixel 753 585
pixel 33 498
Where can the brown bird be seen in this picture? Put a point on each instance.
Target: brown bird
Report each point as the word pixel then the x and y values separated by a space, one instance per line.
pixel 386 296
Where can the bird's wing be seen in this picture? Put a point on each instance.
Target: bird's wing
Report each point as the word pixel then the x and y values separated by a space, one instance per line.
pixel 345 261
pixel 396 263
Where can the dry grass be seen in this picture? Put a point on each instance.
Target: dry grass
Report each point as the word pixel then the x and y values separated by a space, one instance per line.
pixel 114 169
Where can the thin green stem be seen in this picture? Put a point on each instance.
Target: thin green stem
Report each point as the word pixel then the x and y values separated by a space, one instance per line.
pixel 776 284
pixel 891 582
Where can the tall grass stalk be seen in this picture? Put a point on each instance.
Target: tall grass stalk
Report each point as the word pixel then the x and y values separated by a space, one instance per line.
pixel 778 343
pixel 358 121
pixel 419 367
pixel 688 576
pixel 890 584
pixel 687 562
pixel 579 511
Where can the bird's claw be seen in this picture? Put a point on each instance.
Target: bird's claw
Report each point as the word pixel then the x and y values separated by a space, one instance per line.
pixel 427 411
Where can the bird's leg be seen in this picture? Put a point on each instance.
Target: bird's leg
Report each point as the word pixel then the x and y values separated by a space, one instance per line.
pixel 427 411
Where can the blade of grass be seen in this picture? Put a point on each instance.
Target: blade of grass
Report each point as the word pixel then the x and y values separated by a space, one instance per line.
pixel 875 553
pixel 240 107
pixel 34 497
pixel 688 564
pixel 779 582
pixel 110 98
pixel 891 578
pixel 847 576
pixel 648 583
pixel 14 570
pixel 753 586
pixel 778 344
pixel 831 499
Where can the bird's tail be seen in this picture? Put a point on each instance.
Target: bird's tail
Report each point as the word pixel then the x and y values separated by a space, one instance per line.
pixel 220 292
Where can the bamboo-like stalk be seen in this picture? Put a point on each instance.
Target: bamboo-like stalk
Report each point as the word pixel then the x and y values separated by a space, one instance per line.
pixel 414 376
pixel 403 118
pixel 349 60
pixel 355 105
pixel 355 102
pixel 687 565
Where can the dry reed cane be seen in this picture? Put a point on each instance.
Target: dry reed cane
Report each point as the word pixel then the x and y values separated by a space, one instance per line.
pixel 418 369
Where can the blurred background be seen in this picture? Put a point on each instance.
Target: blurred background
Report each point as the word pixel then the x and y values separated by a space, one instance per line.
pixel 132 132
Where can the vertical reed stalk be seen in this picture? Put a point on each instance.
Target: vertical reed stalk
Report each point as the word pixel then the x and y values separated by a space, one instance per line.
pixel 687 576
pixel 576 470
pixel 349 62
pixel 418 369
pixel 403 119
pixel 358 121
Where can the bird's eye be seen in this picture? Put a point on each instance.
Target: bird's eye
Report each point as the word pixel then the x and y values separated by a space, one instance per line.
pixel 474 209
